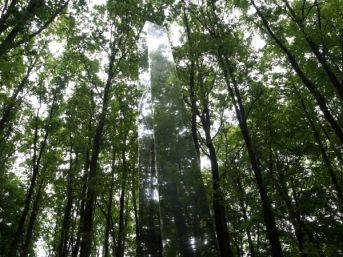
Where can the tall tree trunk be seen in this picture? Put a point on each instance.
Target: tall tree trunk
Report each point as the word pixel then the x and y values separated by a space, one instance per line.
pixel 301 222
pixel 54 248
pixel 228 71
pixel 37 155
pixel 241 201
pixel 126 219
pixel 282 191
pixel 4 24
pixel 8 109
pixel 325 157
pixel 87 224
pixel 109 208
pixel 268 215
pixel 36 162
pixel 191 89
pixel 222 231
pixel 320 99
pixel 120 249
pixel 76 246
pixel 32 222
pixel 83 192
pixel 316 49
pixel 10 42
pixel 135 212
pixel 64 238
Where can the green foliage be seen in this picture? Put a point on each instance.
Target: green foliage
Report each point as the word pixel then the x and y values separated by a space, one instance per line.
pixel 11 199
pixel 65 70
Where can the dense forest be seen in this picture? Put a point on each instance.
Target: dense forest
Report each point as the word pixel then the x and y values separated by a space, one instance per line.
pixel 262 83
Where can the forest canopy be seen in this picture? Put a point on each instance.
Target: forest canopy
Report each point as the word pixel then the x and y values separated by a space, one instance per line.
pixel 262 86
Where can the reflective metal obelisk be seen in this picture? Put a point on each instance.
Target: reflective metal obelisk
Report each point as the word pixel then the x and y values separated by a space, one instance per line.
pixel 174 217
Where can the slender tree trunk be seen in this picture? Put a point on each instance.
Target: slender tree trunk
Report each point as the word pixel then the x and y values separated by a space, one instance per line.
pixel 109 209
pixel 107 232
pixel 87 224
pixel 27 14
pixel 120 249
pixel 114 238
pixel 36 161
pixel 191 88
pixel 316 51
pixel 76 247
pixel 258 240
pixel 241 201
pixel 86 242
pixel 8 109
pixel 108 224
pixel 325 157
pixel 135 212
pixel 223 237
pixel 228 72
pixel 127 214
pixel 73 231
pixel 64 238
pixel 35 171
pixel 272 232
pixel 32 221
pixel 282 191
pixel 4 24
pixel 10 42
pixel 301 222
pixel 320 99
pixel 268 214
pixel 27 203
pixel 53 249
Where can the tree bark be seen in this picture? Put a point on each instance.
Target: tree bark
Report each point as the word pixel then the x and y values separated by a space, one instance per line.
pixel 35 171
pixel 228 72
pixel 86 228
pixel 83 192
pixel 36 162
pixel 241 201
pixel 191 89
pixel 135 212
pixel 4 16
pixel 109 209
pixel 222 231
pixel 120 249
pixel 32 222
pixel 64 238
pixel 269 219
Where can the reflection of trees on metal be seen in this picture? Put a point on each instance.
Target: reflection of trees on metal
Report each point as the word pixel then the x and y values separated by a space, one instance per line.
pixel 174 214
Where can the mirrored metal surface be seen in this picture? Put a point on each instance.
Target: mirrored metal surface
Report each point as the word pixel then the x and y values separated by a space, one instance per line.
pixel 174 214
